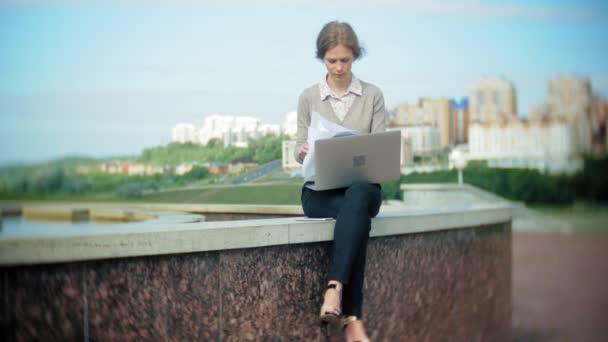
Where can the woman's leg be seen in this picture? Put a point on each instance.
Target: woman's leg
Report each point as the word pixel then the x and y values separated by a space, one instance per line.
pixel 325 203
pixel 353 293
pixel 361 203
pixel 352 207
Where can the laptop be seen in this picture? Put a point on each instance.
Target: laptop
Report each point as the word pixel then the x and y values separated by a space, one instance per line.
pixel 341 161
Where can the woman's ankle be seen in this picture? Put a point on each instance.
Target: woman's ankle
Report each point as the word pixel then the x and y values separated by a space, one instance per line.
pixel 339 285
pixel 355 329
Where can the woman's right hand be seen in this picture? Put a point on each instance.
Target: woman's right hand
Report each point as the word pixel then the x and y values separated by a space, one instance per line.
pixel 303 151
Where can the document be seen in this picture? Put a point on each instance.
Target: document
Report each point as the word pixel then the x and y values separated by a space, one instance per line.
pixel 320 128
pixel 314 218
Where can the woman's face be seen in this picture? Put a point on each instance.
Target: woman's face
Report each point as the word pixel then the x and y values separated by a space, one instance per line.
pixel 338 61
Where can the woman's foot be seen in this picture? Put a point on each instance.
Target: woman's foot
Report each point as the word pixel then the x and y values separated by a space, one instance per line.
pixel 331 309
pixel 354 330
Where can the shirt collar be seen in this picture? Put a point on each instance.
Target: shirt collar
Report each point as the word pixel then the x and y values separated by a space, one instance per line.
pixel 325 90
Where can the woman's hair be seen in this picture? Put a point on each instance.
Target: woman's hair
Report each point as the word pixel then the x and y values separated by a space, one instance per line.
pixel 335 33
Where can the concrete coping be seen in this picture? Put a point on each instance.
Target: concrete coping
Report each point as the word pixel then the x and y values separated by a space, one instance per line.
pixel 174 233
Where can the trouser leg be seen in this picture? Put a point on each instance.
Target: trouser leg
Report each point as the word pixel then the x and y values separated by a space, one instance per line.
pixel 353 209
pixel 353 293
pixel 361 203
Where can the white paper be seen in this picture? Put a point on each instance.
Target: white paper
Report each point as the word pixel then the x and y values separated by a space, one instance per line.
pixel 320 128
pixel 305 218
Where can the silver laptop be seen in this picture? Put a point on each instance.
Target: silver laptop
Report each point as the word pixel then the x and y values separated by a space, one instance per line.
pixel 341 161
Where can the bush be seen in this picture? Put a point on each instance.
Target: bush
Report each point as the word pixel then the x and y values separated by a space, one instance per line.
pixel 391 190
pixel 130 190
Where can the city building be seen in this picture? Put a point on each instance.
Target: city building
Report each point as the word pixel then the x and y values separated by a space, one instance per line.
pixel 570 98
pixel 289 160
pixel 290 125
pixel 600 136
pixel 412 115
pixel 182 169
pixel 231 130
pixel 184 133
pixel 460 121
pixel 269 129
pixel 422 140
pixel 492 98
pixel 546 145
pixel 242 165
pixel 448 116
pixel 216 168
pixel 441 112
pixel 132 169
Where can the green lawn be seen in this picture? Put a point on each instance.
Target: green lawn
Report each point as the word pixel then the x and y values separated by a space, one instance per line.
pixel 243 194
pixel 582 217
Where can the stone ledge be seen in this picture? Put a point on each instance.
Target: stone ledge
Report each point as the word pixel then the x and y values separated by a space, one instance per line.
pixel 183 234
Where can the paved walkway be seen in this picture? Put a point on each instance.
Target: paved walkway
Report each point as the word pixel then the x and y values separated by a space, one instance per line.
pixel 560 287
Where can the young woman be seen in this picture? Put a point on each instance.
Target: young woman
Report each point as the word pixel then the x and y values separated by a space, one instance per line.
pixel 352 103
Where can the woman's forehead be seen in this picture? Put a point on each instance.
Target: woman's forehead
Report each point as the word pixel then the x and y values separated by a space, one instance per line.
pixel 339 51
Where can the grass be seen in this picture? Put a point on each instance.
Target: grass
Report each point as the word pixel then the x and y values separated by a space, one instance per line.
pixel 583 217
pixel 242 194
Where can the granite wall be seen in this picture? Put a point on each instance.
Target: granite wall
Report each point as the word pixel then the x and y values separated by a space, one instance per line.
pixel 444 285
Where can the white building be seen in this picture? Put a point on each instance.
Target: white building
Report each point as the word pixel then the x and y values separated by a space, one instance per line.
pixel 233 131
pixel 290 125
pixel 243 129
pixel 289 160
pixel 184 133
pixel 268 129
pixel 215 127
pixel 424 140
pixel 543 145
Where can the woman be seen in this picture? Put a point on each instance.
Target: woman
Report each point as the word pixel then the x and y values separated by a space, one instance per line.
pixel 347 101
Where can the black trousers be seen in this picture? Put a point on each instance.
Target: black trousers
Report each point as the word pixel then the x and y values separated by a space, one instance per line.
pixel 353 208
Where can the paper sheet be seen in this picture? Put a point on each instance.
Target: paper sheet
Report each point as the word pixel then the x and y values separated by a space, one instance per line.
pixel 320 128
pixel 306 218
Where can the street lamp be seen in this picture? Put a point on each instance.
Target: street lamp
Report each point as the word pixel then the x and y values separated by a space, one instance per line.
pixel 459 161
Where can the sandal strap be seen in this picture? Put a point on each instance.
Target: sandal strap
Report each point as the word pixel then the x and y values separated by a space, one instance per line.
pixel 334 286
pixel 349 319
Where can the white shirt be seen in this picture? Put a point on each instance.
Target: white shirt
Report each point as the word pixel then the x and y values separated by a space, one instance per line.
pixel 340 104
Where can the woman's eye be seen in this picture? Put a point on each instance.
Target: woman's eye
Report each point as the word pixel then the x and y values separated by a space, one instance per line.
pixel 331 61
pixel 346 60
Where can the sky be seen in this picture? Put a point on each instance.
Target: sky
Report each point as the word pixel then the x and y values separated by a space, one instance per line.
pixel 107 79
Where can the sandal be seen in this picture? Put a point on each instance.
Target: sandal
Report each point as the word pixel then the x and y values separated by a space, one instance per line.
pixel 330 315
pixel 349 319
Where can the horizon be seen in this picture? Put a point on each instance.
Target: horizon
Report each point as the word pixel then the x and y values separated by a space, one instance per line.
pixel 96 79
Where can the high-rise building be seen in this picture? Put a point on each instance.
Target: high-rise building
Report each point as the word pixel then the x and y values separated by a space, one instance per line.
pixel 232 130
pixel 184 133
pixel 491 99
pixel 441 111
pixel 570 98
pixel 215 127
pixel 460 121
pixel 441 114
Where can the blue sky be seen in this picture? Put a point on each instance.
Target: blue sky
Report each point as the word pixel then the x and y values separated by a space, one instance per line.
pixel 102 78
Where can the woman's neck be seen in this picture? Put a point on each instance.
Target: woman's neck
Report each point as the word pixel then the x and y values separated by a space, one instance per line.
pixel 339 87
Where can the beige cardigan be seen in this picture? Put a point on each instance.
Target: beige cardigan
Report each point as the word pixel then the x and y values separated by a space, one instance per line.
pixel 366 115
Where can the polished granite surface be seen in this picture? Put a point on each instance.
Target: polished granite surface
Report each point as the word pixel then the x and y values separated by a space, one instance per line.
pixel 451 284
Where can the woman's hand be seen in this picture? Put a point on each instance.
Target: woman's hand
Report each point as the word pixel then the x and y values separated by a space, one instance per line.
pixel 303 151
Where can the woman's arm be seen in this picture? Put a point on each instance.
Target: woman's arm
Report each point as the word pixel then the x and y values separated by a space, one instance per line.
pixel 303 123
pixel 379 115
